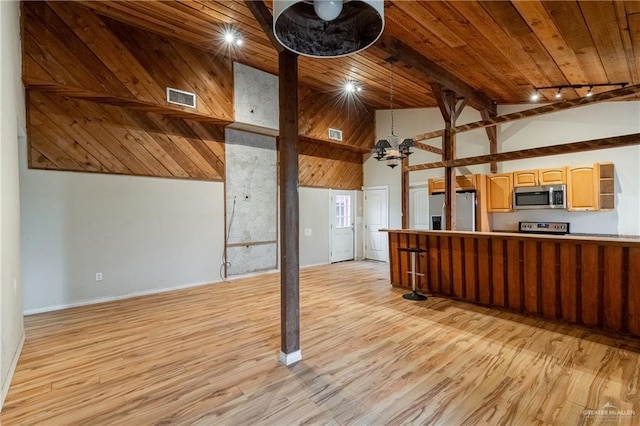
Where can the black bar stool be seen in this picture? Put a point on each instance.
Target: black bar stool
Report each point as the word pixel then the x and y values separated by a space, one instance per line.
pixel 415 271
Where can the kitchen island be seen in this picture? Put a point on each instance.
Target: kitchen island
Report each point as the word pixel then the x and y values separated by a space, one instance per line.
pixel 589 281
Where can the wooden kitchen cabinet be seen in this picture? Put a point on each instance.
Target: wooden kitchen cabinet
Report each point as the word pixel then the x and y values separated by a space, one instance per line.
pixel 606 186
pixel 463 183
pixel 583 187
pixel 499 189
pixel 552 176
pixel 525 178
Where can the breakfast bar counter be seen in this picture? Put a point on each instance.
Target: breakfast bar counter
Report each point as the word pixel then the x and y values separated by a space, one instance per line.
pixel 590 281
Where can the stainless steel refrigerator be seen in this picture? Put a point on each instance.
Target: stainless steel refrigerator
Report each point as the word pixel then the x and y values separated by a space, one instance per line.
pixel 465 211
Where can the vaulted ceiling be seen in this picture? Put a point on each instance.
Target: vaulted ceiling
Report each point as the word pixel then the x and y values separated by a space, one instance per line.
pixel 502 49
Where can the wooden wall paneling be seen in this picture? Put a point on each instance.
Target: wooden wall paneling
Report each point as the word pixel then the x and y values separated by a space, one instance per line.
pixel 633 299
pixel 570 282
pixel 589 284
pixel 122 141
pixel 485 266
pixel 514 275
pixel 499 272
pixel 446 267
pixel 470 269
pixel 435 265
pixel 328 167
pixel 67 114
pixel 549 265
pixel 89 56
pixel 321 111
pixel 110 50
pixel 457 263
pixel 394 260
pixel 612 297
pixel 423 258
pixel 531 270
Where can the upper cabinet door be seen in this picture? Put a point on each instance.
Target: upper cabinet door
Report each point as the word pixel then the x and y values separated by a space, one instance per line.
pixel 553 176
pixel 525 178
pixel 583 187
pixel 499 188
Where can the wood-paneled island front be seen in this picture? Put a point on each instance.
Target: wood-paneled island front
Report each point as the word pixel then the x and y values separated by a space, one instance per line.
pixel 593 282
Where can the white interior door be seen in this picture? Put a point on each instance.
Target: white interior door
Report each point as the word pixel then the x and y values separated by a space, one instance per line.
pixel 342 225
pixel 419 207
pixel 376 217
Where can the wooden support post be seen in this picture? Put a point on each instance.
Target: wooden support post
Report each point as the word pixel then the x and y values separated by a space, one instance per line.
pixel 289 209
pixel 405 194
pixel 449 145
pixel 447 103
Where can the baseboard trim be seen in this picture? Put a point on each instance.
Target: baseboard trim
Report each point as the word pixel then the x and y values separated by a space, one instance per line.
pixel 86 302
pixel 12 369
pixel 291 358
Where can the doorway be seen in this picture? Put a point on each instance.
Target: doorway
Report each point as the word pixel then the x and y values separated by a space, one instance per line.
pixel 342 225
pixel 376 217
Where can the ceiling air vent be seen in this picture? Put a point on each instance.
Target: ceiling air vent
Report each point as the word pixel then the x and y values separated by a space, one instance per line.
pixel 179 97
pixel 335 134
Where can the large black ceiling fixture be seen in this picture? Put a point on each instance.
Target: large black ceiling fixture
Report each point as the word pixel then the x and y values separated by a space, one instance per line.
pixel 327 28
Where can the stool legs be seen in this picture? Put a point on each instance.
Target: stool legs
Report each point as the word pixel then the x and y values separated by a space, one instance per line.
pixel 414 295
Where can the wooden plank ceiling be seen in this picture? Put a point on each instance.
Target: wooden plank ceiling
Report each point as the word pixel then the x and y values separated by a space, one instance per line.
pixel 503 49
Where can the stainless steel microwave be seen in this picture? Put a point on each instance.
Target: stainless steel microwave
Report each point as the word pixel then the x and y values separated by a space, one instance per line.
pixel 540 197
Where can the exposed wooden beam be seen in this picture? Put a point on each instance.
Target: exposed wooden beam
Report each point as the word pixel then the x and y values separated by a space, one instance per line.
pixel 428 148
pixel 492 134
pixel 443 98
pixel 289 209
pixel 265 19
pixel 568 148
pixel 460 107
pixel 622 93
pixel 433 72
pixel 428 135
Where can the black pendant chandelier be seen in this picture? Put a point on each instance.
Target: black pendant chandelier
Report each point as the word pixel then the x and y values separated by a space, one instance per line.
pixel 391 149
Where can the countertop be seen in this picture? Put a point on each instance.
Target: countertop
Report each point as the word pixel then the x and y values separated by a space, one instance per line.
pixel 625 240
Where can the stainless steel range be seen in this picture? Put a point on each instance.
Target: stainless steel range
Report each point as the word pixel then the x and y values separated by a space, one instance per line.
pixel 557 228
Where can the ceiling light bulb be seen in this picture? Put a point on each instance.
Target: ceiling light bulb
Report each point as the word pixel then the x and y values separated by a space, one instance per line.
pixel 559 94
pixel 359 89
pixel 228 37
pixel 535 96
pixel 327 10
pixel 349 87
pixel 239 42
pixel 590 92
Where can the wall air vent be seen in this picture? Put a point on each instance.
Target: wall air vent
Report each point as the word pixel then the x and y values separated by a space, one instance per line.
pixel 179 97
pixel 335 134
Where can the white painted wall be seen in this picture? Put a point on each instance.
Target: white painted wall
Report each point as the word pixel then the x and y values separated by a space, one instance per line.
pixel 12 125
pixel 315 215
pixel 143 234
pixel 595 121
pixel 590 122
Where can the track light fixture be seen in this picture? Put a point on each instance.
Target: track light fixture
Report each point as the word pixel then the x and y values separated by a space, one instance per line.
pixel 536 95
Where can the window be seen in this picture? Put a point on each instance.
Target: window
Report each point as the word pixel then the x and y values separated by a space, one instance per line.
pixel 343 211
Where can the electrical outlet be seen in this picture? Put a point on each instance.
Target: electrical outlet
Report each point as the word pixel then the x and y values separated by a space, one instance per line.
pixel 98 276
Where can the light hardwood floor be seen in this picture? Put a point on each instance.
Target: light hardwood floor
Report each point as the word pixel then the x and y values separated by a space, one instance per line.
pixel 208 356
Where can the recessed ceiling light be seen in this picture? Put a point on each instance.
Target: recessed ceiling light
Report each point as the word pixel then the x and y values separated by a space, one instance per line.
pixel 352 87
pixel 233 37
